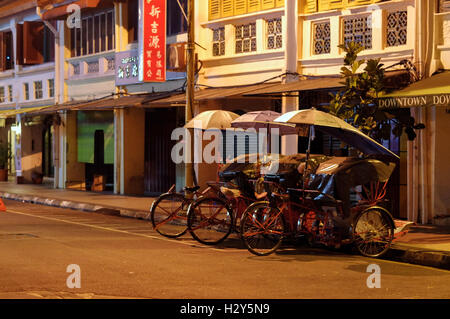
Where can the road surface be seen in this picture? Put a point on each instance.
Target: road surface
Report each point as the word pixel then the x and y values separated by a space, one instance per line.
pixel 124 258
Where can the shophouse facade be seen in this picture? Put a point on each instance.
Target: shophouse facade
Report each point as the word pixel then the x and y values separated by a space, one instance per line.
pixel 248 52
pixel 98 65
pixel 27 82
pixel 247 42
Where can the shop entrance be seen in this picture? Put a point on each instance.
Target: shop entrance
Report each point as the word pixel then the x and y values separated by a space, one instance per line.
pixel 160 170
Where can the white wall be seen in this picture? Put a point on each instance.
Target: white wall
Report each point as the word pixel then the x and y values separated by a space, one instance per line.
pixel 330 63
pixel 241 68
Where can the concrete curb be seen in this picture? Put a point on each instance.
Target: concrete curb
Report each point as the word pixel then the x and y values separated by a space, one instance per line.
pixel 418 256
pixel 77 205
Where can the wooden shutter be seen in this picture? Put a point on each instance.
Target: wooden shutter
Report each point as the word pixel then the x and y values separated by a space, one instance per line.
pixel 227 8
pixel 2 51
pixel 268 4
pixel 336 4
pixel 310 6
pixel 360 2
pixel 19 44
pixel 240 7
pixel 324 5
pixel 279 3
pixel 214 9
pixel 33 42
pixel 254 5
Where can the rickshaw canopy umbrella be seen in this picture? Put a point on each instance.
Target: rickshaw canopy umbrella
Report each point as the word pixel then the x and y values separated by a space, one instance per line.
pixel 263 120
pixel 215 119
pixel 336 127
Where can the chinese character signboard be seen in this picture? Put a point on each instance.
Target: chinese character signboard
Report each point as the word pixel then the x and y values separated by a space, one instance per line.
pixel 127 67
pixel 152 40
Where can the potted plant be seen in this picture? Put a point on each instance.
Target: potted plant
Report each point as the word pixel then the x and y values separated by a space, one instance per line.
pixel 4 156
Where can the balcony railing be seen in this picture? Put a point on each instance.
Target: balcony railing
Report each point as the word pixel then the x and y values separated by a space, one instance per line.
pixel 95 65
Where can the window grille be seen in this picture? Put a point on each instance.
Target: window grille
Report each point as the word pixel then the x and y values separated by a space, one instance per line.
pixel 10 93
pixel 38 94
pixel 219 41
pixel 358 30
pixel 51 87
pixel 397 23
pixel 321 37
pixel 245 38
pixel 274 34
pixel 26 91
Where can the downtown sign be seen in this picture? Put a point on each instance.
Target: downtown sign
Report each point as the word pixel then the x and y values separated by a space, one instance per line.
pixel 414 101
pixel 152 40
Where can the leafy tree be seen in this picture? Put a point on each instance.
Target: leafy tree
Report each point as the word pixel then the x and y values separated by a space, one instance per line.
pixel 357 101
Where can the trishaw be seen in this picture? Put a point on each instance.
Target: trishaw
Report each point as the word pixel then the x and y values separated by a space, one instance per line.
pixel 320 208
pixel 212 218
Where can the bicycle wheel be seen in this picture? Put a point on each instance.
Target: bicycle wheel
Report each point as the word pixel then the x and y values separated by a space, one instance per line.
pixel 169 215
pixel 373 233
pixel 262 228
pixel 210 220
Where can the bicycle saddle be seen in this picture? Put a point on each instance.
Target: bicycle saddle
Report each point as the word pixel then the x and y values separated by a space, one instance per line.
pixel 192 189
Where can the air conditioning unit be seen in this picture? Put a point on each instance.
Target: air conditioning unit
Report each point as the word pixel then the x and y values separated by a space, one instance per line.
pixel 176 57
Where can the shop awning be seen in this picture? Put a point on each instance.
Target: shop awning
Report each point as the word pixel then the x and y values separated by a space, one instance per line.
pixel 432 91
pixel 13 112
pixel 215 93
pixel 321 83
pixel 301 85
pixel 102 104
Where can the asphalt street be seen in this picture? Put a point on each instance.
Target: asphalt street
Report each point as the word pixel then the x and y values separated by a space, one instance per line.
pixel 124 258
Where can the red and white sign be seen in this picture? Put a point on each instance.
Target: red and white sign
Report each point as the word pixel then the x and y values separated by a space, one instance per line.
pixel 153 40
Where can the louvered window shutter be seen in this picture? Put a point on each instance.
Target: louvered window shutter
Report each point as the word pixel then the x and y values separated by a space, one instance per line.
pixel 19 44
pixel 268 4
pixel 360 2
pixel 324 5
pixel 310 6
pixel 33 42
pixel 227 8
pixel 2 52
pixel 254 5
pixel 336 4
pixel 279 3
pixel 240 7
pixel 214 9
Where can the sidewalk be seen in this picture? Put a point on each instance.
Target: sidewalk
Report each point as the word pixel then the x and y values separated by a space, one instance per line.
pixel 427 245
